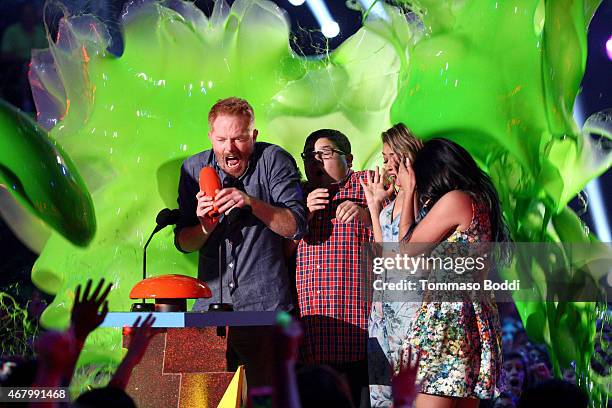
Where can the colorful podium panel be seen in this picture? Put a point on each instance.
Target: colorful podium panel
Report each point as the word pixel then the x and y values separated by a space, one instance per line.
pixel 184 366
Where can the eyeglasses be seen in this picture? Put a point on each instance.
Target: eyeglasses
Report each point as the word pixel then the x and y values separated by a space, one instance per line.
pixel 324 154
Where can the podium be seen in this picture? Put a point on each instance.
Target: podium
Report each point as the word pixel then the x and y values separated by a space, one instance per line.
pixel 185 365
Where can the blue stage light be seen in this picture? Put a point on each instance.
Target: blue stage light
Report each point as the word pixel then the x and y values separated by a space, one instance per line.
pixel 596 203
pixel 329 27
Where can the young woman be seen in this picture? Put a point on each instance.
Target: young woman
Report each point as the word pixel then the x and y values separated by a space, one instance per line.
pixel 459 342
pixel 389 322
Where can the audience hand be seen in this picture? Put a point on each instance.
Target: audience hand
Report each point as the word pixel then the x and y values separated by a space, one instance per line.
pixel 289 335
pixel 403 384
pixel 86 313
pixel 140 337
pixel 287 340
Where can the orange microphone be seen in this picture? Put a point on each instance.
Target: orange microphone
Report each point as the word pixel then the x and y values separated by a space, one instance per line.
pixel 209 183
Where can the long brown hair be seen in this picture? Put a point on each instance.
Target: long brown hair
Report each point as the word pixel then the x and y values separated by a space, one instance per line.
pixel 402 141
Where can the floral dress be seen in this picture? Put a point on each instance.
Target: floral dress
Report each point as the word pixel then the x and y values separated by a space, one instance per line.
pixel 388 327
pixel 460 342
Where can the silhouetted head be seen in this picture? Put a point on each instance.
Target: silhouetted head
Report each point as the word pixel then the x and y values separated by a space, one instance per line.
pixel 554 393
pixel 105 397
pixel 321 386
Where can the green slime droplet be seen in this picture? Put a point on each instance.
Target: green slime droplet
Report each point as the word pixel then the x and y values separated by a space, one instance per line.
pixel 43 178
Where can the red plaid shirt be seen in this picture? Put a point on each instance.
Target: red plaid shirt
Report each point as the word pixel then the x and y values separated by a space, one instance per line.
pixel 331 284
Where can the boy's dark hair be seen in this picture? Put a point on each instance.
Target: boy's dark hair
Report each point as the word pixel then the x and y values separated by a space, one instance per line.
pixel 554 393
pixel 339 139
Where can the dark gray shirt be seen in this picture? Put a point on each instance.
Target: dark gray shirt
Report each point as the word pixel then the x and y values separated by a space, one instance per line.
pixel 253 263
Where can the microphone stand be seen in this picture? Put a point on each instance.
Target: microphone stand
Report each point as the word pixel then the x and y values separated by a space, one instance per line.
pixel 228 220
pixel 221 307
pixel 144 306
pixel 164 218
pixel 144 252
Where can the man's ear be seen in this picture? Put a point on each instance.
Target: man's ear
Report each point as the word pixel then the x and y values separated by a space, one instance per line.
pixel 255 133
pixel 349 160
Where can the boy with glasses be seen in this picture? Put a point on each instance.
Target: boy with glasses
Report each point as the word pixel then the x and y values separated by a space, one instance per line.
pixel 329 280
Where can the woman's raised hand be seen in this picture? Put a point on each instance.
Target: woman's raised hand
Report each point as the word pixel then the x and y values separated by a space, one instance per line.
pixel 374 188
pixel 406 176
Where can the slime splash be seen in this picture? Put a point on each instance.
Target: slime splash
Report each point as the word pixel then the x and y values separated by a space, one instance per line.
pixel 498 77
pixel 501 78
pixel 128 122
pixel 43 179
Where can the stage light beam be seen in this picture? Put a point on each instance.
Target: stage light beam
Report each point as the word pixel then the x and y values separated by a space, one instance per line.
pixel 374 8
pixel 329 27
pixel 596 206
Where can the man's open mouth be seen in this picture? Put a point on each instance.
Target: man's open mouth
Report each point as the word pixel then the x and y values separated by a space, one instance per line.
pixel 232 161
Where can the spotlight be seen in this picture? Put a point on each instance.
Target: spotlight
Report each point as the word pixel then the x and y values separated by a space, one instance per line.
pixel 609 47
pixel 330 29
pixel 297 2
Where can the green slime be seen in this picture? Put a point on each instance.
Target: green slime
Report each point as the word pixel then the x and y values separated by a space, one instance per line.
pixel 501 78
pixel 43 179
pixel 129 122
pixel 498 77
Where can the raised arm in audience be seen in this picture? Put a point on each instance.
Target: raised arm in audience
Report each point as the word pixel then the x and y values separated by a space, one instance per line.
pixel 140 336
